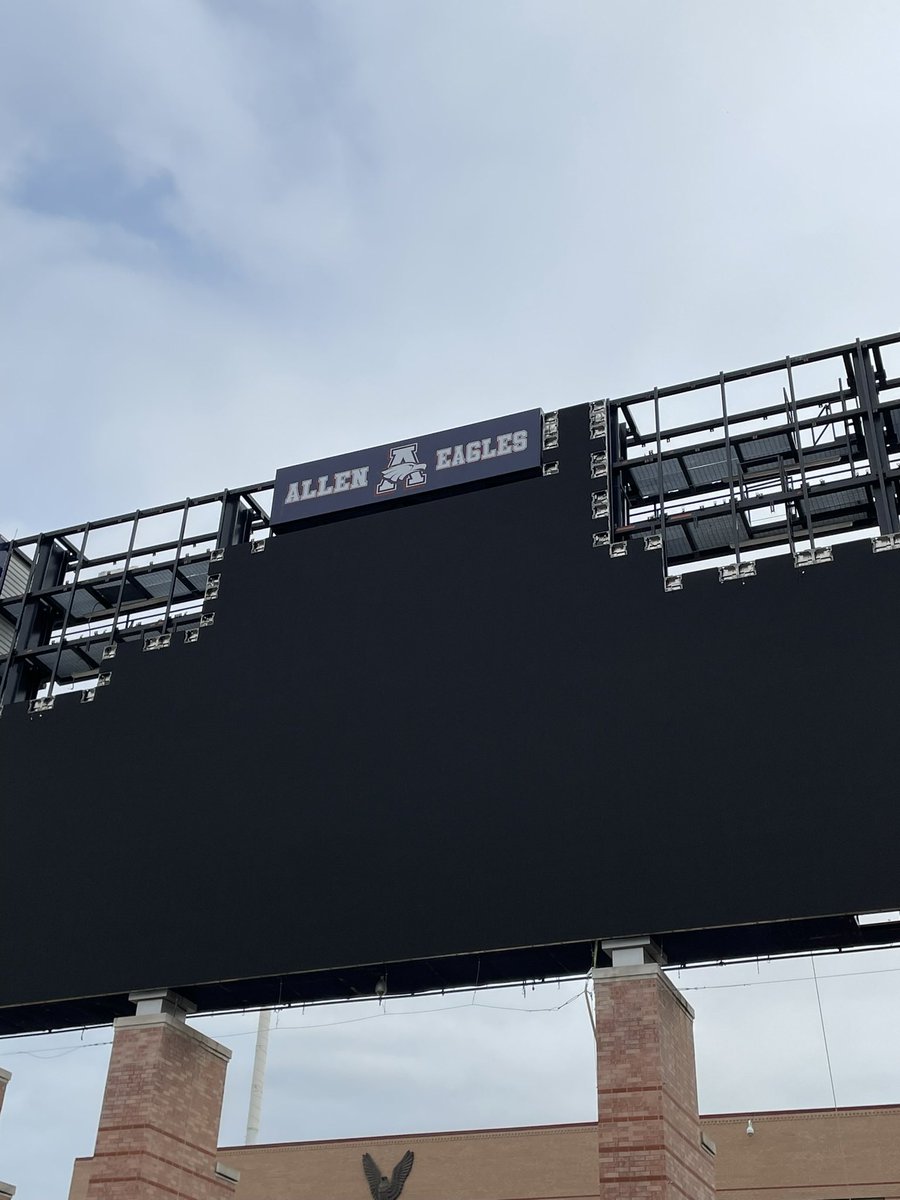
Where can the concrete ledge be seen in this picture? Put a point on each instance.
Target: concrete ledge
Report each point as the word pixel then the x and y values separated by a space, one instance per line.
pixel 6 1190
pixel 177 1025
pixel 639 971
pixel 161 1000
pixel 5 1076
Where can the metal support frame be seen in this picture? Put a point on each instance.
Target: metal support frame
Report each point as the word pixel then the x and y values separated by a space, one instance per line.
pixel 873 432
pixel 838 469
pixel 729 460
pixel 120 595
pixel 87 604
pixel 791 406
pixel 175 575
pixel 67 610
pixel 711 485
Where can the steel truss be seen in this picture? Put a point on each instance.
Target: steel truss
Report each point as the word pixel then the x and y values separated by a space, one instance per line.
pixel 788 455
pixel 68 598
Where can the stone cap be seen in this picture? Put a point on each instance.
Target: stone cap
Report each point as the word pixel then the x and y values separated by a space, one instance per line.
pixel 602 975
pixel 6 1190
pixel 177 1024
pixel 632 951
pixel 161 1000
pixel 5 1077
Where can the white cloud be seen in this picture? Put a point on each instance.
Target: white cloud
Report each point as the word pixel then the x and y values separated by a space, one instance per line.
pixel 371 222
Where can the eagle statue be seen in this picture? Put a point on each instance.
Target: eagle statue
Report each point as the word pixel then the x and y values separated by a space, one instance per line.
pixel 380 1186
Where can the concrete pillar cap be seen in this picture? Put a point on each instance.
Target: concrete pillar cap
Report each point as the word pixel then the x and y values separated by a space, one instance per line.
pixel 631 951
pixel 5 1076
pixel 6 1190
pixel 161 1000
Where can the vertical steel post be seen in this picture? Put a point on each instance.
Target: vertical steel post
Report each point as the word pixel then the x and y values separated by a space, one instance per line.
pixel 876 450
pixel 178 549
pixel 126 567
pixel 67 612
pixel 790 403
pixel 8 665
pixel 659 486
pixel 730 462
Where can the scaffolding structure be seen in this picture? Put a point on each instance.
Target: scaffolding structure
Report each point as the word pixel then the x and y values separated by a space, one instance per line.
pixel 69 597
pixel 787 456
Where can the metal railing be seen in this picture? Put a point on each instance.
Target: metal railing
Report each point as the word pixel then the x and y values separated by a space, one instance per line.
pixel 787 456
pixel 70 596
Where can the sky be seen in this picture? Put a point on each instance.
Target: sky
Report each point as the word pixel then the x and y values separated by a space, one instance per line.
pixel 239 235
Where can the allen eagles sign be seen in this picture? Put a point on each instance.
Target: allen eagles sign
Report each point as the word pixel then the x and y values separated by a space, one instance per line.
pixel 400 469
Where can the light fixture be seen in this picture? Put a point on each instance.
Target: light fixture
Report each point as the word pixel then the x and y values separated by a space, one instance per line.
pixel 877 918
pixel 750 1129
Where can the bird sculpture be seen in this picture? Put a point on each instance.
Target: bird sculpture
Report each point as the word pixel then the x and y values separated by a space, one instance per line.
pixel 380 1186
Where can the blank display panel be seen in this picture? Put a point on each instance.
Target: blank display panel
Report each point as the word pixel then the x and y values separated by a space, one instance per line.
pixel 453 742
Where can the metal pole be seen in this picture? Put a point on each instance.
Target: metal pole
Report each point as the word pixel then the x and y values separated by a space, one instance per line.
pixel 730 459
pixel 67 612
pixel 259 1074
pixel 177 560
pixel 791 407
pixel 659 487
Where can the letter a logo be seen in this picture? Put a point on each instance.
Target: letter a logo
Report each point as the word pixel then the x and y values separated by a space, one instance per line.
pixel 403 467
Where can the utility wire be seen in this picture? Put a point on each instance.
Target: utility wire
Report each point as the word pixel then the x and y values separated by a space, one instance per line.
pixel 58 1052
pixel 708 987
pixel 700 987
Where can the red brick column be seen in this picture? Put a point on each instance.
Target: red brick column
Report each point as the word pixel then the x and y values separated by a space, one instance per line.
pixel 650 1147
pixel 6 1189
pixel 159 1123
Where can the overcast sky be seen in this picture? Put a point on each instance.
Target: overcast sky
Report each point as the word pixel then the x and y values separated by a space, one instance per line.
pixel 242 234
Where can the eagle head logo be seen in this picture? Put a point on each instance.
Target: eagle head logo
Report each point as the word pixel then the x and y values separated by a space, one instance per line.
pixel 403 468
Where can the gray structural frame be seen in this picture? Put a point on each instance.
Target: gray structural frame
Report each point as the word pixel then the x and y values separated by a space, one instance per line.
pixel 792 474
pixel 789 475
pixel 62 628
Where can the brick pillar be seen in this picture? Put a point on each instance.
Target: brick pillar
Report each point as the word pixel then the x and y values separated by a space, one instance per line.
pixel 649 1127
pixel 6 1189
pixel 159 1124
